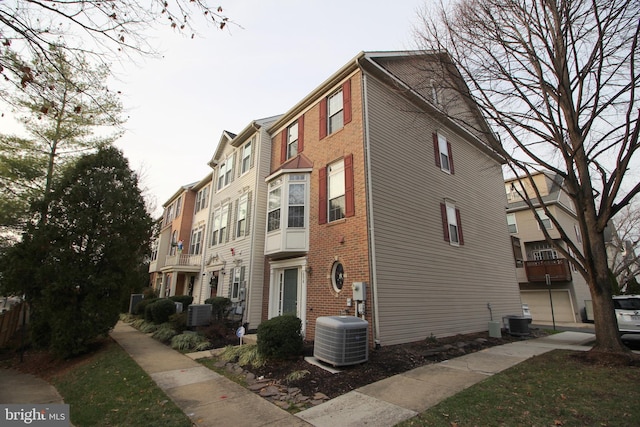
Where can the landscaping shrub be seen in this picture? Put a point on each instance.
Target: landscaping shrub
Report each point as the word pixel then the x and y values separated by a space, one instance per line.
pixel 220 306
pixel 186 300
pixel 164 333
pixel 178 321
pixel 161 310
pixel 140 308
pixel 190 341
pixel 280 337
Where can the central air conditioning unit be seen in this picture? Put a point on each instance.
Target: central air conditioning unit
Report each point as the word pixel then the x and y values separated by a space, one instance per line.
pixel 341 340
pixel 199 314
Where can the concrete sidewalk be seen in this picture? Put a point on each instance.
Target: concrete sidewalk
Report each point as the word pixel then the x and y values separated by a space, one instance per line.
pixel 398 398
pixel 18 387
pixel 207 398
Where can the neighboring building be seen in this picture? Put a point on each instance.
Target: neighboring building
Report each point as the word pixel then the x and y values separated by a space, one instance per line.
pixel 538 261
pixel 623 260
pixel 173 268
pixel 368 216
pixel 234 259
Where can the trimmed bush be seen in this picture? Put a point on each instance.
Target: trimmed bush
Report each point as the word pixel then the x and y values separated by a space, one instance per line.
pixel 280 337
pixel 186 300
pixel 178 321
pixel 220 306
pixel 142 305
pixel 161 310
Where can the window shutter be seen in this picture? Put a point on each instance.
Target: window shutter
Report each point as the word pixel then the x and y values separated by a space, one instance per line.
pixel 301 133
pixel 254 141
pixel 248 215
pixel 445 223
pixel 283 146
pixel 323 118
pixel 346 101
pixel 350 208
pixel 436 149
pixel 322 196
pixel 460 238
pixel 229 215
pixel 235 221
pixel 450 158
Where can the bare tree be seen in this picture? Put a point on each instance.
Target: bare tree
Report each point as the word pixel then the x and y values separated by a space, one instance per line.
pixel 558 83
pixel 101 29
pixel 623 244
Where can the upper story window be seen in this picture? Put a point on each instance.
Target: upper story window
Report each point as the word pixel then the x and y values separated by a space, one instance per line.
pixel 335 110
pixel 202 198
pixel 173 247
pixel 237 283
pixel 219 226
pixel 545 219
pixel 442 151
pixel 241 216
pixel 292 140
pixel 451 224
pixel 154 250
pixel 246 156
pixel 178 206
pixel 297 199
pixel 511 223
pixel 335 190
pixel 578 234
pixel 273 207
pixel 195 243
pixel 225 173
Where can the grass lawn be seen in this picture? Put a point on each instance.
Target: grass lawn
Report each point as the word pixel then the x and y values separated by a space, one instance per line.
pixel 553 389
pixel 110 389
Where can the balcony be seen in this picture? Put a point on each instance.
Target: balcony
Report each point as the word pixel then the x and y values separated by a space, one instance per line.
pixel 183 262
pixel 557 269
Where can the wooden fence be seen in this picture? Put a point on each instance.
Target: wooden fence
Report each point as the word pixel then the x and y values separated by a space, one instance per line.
pixel 10 322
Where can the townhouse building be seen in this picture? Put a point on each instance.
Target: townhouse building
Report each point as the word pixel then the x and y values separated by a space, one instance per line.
pixel 385 201
pixel 234 257
pixel 176 260
pixel 546 278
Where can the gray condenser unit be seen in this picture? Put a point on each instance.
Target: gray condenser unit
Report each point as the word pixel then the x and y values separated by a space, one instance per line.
pixel 199 314
pixel 341 340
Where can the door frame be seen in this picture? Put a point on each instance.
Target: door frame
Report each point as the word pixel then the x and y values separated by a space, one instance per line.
pixel 275 269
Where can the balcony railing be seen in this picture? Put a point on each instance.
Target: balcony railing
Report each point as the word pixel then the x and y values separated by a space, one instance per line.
pixel 184 260
pixel 557 269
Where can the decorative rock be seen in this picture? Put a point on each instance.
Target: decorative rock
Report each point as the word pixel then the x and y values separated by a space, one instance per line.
pixel 269 391
pixel 320 396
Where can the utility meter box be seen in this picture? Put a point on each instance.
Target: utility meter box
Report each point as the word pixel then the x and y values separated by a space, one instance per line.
pixel 359 291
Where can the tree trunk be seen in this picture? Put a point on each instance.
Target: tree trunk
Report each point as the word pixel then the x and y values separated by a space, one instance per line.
pixel 606 326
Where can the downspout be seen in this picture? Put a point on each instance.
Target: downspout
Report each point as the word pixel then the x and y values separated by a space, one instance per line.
pixel 370 221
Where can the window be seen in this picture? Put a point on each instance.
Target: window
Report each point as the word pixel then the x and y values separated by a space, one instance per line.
pixel 219 227
pixel 337 276
pixel 451 224
pixel 246 156
pixel 174 242
pixel 225 173
pixel 154 250
pixel 296 202
pixel 334 113
pixel 543 254
pixel 202 198
pixel 273 215
pixel 195 247
pixel 578 234
pixel 241 217
pixel 335 110
pixel 237 279
pixel 335 191
pixel 292 140
pixel 178 206
pixel 511 223
pixel 544 218
pixel 442 151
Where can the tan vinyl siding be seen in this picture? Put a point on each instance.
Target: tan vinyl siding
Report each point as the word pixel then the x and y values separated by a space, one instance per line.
pixel 424 285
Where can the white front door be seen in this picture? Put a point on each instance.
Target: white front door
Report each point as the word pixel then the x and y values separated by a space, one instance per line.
pixel 287 290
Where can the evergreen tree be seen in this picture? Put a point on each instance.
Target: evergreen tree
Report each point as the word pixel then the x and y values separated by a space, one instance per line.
pixel 77 266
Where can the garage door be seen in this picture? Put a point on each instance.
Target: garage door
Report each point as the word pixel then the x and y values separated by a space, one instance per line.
pixel 540 306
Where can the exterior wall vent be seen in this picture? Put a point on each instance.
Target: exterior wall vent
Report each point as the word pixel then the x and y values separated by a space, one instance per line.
pixel 341 340
pixel 199 314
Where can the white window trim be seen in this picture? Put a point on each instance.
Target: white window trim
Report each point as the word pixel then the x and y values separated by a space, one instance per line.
pixel 515 223
pixel 452 221
pixel 543 216
pixel 292 138
pixel 335 168
pixel 244 156
pixel 340 109
pixel 443 151
pixel 244 199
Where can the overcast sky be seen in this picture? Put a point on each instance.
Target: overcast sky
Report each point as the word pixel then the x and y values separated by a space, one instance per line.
pixel 179 106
